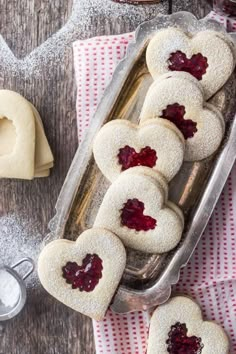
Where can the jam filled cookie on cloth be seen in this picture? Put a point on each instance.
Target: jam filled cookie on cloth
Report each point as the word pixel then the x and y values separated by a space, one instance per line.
pixel 178 98
pixel 177 327
pixel 209 56
pixel 83 274
pixel 135 207
pixel 121 145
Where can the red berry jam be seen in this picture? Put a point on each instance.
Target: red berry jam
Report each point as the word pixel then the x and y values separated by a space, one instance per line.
pixel 179 343
pixel 128 157
pixel 132 216
pixel 175 114
pixel 196 66
pixel 86 276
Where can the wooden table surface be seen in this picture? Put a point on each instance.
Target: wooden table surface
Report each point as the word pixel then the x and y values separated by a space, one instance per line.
pixel 45 326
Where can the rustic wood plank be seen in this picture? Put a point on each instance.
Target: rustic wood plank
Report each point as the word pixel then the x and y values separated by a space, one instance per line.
pixel 46 326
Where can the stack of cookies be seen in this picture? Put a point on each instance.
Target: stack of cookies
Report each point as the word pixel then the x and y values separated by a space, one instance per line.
pixel 24 149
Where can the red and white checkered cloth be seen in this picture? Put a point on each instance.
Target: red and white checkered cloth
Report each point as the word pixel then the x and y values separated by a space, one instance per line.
pixel 210 276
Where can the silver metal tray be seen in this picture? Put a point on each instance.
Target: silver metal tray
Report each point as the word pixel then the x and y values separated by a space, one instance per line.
pixel 148 278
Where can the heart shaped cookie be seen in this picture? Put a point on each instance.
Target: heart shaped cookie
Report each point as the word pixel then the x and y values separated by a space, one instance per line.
pixel 177 327
pixel 135 207
pixel 84 274
pixel 209 56
pixel 202 125
pixel 156 144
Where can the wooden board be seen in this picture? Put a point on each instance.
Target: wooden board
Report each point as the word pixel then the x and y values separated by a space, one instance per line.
pixel 45 326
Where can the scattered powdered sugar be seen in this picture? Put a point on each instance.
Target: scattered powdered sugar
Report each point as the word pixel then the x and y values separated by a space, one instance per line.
pixel 19 240
pixel 77 27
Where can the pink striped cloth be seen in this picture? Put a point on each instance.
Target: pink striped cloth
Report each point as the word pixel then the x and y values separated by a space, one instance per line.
pixel 210 276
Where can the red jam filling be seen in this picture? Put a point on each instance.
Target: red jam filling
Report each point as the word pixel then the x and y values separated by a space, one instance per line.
pixel 179 343
pixel 175 114
pixel 132 216
pixel 86 276
pixel 196 66
pixel 128 157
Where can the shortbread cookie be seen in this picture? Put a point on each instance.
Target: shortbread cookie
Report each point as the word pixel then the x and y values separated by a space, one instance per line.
pixel 208 55
pixel 43 155
pixel 39 150
pixel 135 208
pixel 19 163
pixel 83 274
pixel 177 210
pixel 158 177
pixel 41 174
pixel 178 327
pixel 121 145
pixel 145 171
pixel 177 97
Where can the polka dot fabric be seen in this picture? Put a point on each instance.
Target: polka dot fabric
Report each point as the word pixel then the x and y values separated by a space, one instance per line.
pixel 210 276
pixel 95 60
pixel 228 22
pixel 122 334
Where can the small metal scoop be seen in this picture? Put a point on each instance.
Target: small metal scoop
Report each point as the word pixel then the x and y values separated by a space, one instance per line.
pixel 13 289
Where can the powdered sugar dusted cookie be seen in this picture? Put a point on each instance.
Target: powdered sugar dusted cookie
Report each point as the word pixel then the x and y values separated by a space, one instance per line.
pixel 83 274
pixel 178 98
pixel 121 145
pixel 158 177
pixel 178 327
pixel 208 55
pixel 135 208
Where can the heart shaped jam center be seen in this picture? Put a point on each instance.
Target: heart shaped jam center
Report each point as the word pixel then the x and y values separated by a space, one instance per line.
pixel 179 343
pixel 128 157
pixel 86 276
pixel 132 216
pixel 175 114
pixel 197 65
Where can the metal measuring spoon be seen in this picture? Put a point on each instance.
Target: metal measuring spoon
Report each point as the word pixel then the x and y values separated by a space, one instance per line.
pixel 13 289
